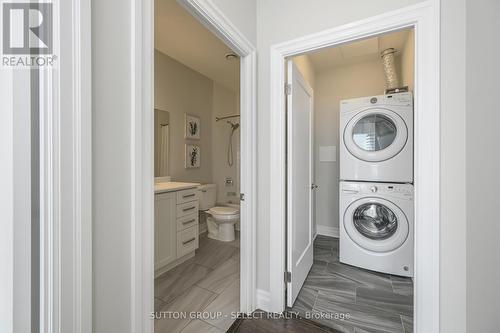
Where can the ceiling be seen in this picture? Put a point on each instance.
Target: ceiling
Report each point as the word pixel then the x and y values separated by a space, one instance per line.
pixel 179 35
pixel 351 53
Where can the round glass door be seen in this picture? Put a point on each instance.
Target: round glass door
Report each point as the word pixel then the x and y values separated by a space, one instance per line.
pixel 375 221
pixel 374 132
pixel 375 135
pixel 376 224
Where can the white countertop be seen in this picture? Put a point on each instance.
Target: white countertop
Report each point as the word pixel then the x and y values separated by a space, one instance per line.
pixel 163 187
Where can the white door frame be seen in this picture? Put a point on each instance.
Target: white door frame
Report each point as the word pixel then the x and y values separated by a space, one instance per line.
pixel 65 157
pixel 142 30
pixel 424 17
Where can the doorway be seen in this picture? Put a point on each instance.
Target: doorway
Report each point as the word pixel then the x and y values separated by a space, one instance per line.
pixel 424 20
pixel 204 161
pixel 352 117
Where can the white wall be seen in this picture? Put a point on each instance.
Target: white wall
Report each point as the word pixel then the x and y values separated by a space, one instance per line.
pixel 243 14
pixel 111 168
pixel 453 252
pixel 332 86
pixel 482 165
pixel 273 26
pixel 225 102
pixel 180 90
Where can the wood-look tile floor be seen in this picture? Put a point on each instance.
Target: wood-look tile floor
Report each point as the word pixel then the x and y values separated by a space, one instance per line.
pixel 208 283
pixel 375 302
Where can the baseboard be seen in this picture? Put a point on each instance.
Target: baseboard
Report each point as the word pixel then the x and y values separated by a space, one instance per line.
pixel 162 269
pixel 263 299
pixel 327 231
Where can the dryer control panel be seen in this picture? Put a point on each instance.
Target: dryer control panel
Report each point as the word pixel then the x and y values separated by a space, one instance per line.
pixel 400 99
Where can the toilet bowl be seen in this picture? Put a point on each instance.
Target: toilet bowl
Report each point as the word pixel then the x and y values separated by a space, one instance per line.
pixel 221 221
pixel 221 218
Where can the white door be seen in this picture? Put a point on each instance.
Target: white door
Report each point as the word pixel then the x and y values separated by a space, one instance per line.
pixel 300 181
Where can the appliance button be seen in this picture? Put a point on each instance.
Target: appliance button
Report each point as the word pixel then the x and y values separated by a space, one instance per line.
pixel 373 189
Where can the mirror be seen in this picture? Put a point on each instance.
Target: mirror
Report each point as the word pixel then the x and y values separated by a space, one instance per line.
pixel 162 143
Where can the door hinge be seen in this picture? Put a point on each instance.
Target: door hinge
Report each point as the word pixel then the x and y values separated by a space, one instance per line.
pixel 288 89
pixel 288 277
pixel 242 196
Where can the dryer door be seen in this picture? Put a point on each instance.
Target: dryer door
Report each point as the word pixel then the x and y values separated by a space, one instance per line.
pixel 375 135
pixel 376 224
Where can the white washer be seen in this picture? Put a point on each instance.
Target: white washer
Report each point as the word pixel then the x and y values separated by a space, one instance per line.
pixel 376 138
pixel 376 226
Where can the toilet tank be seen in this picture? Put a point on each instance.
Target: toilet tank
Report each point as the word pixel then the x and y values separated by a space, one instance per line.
pixel 208 196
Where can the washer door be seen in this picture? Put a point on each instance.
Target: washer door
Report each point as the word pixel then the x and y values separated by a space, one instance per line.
pixel 375 135
pixel 376 224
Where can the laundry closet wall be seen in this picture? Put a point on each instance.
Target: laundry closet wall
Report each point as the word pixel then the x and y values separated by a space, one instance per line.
pixel 332 86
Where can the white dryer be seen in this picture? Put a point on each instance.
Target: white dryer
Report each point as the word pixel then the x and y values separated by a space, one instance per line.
pixel 376 226
pixel 376 135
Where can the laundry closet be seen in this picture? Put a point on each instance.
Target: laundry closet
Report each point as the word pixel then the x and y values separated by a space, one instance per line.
pixel 362 115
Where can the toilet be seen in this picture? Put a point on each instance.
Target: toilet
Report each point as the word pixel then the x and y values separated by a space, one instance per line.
pixel 220 218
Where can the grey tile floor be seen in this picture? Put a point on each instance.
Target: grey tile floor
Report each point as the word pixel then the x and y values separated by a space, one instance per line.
pixel 207 283
pixel 375 302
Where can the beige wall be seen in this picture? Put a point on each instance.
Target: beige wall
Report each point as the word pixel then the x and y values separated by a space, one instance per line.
pixel 306 68
pixel 407 61
pixel 180 90
pixel 225 102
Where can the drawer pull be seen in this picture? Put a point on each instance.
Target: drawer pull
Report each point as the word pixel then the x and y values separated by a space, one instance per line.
pixel 188 209
pixel 189 195
pixel 189 241
pixel 186 222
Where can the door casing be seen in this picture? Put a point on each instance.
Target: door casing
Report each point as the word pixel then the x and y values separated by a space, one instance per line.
pixel 425 19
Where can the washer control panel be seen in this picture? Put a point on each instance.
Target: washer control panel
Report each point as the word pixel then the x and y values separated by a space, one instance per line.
pixel 376 188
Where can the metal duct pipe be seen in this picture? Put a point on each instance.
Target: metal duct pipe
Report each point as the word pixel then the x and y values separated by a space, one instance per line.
pixel 391 76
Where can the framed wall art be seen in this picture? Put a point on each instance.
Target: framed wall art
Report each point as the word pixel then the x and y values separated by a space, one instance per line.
pixel 192 156
pixel 192 127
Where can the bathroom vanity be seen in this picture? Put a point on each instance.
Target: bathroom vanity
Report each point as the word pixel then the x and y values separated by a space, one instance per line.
pixel 176 224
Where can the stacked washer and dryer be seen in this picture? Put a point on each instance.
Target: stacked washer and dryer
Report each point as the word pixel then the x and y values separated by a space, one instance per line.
pixel 376 183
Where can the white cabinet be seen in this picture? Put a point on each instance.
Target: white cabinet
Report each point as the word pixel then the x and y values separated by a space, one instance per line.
pixel 176 228
pixel 165 229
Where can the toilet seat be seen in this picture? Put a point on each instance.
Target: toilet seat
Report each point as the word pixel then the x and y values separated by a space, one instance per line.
pixel 224 213
pixel 224 210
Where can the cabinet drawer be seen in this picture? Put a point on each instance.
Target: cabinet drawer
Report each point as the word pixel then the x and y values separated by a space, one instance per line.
pixel 187 221
pixel 187 208
pixel 187 195
pixel 187 241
